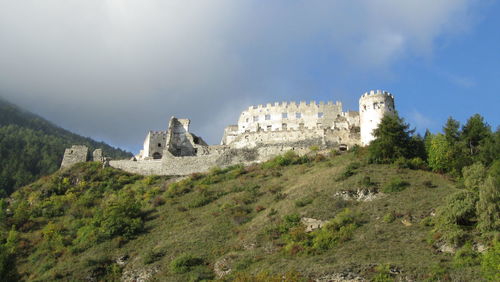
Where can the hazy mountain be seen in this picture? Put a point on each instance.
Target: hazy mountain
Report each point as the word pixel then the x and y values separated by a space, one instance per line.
pixel 31 146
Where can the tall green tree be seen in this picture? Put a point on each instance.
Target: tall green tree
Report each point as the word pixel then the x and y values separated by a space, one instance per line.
pixel 451 130
pixel 393 139
pixel 475 131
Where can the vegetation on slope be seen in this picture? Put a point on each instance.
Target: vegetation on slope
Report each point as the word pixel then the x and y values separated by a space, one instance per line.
pixel 383 218
pixel 100 223
pixel 31 147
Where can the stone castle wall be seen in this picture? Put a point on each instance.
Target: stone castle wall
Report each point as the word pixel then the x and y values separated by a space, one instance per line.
pixel 283 116
pixel 262 132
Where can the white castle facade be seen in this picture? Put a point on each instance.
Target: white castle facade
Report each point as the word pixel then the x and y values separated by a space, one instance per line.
pixel 261 133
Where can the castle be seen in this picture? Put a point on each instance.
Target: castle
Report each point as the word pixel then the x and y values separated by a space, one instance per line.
pixel 262 132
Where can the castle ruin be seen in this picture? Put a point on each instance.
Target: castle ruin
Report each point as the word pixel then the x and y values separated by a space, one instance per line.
pixel 262 132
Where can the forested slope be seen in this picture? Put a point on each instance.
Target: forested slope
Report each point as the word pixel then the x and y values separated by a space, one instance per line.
pixel 31 146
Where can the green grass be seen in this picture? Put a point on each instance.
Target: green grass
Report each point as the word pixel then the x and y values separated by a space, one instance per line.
pixel 235 212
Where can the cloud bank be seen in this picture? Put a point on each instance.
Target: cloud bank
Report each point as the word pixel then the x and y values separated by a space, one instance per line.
pixel 112 69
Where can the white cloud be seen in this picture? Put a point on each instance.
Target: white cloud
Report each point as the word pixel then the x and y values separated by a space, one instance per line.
pixel 116 68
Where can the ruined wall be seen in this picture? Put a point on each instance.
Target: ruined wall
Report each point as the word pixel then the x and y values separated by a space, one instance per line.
pixel 75 154
pixel 146 167
pixel 373 106
pixel 282 116
pixel 154 144
pixel 97 155
pixel 230 134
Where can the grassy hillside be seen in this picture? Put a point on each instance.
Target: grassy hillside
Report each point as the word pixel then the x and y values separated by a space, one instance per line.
pixel 31 146
pixel 238 224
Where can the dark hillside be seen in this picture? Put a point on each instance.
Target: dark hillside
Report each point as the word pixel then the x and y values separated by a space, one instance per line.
pixel 31 146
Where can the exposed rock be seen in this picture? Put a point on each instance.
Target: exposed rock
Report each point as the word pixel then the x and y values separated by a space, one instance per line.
pixel 223 266
pixel 340 277
pixel 363 195
pixel 139 275
pixel 445 248
pixel 312 224
pixel 406 222
pixel 480 248
pixel 122 260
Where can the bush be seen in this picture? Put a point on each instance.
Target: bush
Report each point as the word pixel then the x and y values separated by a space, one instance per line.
pixel 488 209
pixel 349 171
pixel 303 202
pixel 120 216
pixel 339 229
pixel 389 217
pixel 184 263
pixel 458 212
pixel 474 176
pixel 395 185
pixel 490 263
pixel 466 256
pixel 152 256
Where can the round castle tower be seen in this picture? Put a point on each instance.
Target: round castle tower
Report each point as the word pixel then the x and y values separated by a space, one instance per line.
pixel 373 106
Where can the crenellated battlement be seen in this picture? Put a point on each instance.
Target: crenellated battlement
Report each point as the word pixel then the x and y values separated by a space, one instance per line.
pixel 376 92
pixel 311 104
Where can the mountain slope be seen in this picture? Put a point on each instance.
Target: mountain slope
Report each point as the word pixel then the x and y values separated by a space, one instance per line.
pixel 242 223
pixel 31 146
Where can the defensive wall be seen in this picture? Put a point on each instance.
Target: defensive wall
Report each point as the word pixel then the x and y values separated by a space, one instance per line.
pixel 262 132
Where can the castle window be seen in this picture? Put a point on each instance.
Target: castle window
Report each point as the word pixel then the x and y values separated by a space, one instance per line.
pixel 256 118
pixel 269 127
pixel 156 156
pixel 268 117
pixel 247 119
pixel 298 115
pixel 320 114
pixel 284 126
pixel 284 115
pixel 375 105
pixel 159 144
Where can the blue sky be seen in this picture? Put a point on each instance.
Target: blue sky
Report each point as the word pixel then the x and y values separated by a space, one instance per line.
pixel 114 69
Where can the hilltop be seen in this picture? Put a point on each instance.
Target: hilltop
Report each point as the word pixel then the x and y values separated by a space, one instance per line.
pixel 378 221
pixel 31 146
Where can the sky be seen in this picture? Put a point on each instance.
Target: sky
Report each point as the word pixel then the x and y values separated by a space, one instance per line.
pixel 115 69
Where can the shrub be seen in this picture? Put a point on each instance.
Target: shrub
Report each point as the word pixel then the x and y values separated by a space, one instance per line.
pixel 488 209
pixel 339 229
pixel 466 256
pixel 490 263
pixel 383 273
pixel 474 176
pixel 184 263
pixel 395 185
pixel 366 182
pixel 152 256
pixel 458 212
pixel 121 215
pixel 349 171
pixel 389 217
pixel 303 202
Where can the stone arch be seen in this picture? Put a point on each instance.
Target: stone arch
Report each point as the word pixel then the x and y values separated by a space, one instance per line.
pixel 156 156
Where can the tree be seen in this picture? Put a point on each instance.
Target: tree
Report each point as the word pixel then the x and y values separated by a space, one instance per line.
pixel 451 130
pixel 488 206
pixel 440 154
pixel 490 148
pixel 393 140
pixel 474 131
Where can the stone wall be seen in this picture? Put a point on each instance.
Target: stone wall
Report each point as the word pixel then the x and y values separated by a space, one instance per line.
pixel 146 167
pixel 75 154
pixel 283 116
